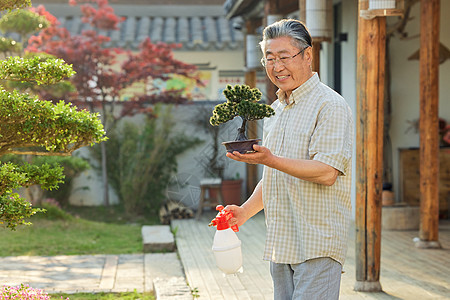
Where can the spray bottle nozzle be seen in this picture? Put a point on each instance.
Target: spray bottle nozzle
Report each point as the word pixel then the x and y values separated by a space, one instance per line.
pixel 221 220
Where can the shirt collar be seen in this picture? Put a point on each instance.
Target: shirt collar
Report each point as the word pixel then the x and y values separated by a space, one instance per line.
pixel 299 93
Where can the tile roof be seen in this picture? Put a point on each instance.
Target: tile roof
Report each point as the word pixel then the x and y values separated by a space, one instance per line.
pixel 195 27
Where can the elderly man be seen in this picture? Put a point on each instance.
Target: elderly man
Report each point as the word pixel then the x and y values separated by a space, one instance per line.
pixel 305 189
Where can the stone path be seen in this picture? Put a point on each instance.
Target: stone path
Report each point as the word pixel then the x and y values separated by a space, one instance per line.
pixel 157 272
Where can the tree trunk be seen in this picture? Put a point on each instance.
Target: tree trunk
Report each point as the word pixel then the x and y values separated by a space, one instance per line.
pixel 241 131
pixel 104 160
pixel 104 175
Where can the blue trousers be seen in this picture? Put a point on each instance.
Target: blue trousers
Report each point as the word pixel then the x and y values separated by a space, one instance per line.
pixel 318 278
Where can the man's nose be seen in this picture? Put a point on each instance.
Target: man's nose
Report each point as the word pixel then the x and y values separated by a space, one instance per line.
pixel 278 65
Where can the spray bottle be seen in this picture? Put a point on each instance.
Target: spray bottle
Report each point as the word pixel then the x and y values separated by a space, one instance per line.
pixel 226 245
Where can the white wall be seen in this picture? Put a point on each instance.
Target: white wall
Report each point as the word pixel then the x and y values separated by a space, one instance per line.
pixel 348 76
pixel 405 86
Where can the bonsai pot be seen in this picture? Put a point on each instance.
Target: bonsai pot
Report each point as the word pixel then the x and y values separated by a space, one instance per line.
pixel 241 146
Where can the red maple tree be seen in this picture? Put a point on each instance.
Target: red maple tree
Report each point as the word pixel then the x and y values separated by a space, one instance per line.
pixel 98 80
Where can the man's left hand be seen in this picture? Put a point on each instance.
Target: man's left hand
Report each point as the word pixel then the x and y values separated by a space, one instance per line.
pixel 262 155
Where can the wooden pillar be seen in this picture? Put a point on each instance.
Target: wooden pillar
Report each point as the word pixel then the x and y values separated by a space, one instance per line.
pixel 271 13
pixel 429 118
pixel 315 66
pixel 252 128
pixel 302 10
pixel 369 150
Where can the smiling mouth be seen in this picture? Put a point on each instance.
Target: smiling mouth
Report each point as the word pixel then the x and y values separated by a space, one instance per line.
pixel 282 77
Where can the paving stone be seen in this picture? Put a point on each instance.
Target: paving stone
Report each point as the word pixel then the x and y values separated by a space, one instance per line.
pixel 157 238
pixel 171 289
pixel 165 277
pixel 109 272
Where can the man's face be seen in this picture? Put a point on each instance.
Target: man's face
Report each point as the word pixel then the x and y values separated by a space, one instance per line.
pixel 287 73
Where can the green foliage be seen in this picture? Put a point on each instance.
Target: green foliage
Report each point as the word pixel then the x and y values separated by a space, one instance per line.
pixel 35 69
pixel 54 212
pixel 13 209
pixel 143 160
pixel 241 101
pixel 26 122
pixel 29 125
pixel 13 176
pixel 12 4
pixel 9 45
pixel 24 22
pixel 72 166
pixel 56 90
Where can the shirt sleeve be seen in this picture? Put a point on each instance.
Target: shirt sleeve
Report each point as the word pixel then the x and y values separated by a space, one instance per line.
pixel 331 142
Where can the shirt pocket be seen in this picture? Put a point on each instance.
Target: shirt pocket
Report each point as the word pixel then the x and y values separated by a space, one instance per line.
pixel 296 144
pixel 274 140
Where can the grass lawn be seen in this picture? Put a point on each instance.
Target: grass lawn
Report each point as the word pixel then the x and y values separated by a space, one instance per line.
pixel 104 296
pixel 58 233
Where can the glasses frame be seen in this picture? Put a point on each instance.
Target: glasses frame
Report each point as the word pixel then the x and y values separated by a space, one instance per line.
pixel 281 60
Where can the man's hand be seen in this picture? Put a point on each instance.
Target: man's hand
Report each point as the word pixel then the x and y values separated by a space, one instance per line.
pixel 261 156
pixel 310 170
pixel 240 215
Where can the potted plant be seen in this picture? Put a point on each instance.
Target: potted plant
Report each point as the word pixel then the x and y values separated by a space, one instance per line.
pixel 242 101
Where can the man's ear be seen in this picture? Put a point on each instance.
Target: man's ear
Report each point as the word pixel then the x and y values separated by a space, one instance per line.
pixel 309 54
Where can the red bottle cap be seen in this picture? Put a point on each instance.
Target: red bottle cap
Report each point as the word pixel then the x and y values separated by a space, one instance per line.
pixel 221 220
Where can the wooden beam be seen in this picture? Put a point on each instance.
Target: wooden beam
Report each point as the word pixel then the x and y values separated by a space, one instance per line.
pixel 315 65
pixel 429 118
pixel 369 151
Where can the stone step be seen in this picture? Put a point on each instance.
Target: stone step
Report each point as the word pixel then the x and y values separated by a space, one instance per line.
pixel 157 238
pixel 165 272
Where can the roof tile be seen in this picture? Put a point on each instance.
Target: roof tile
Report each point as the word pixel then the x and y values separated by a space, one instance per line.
pixel 195 27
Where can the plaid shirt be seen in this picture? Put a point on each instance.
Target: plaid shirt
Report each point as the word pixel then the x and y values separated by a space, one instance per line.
pixel 306 220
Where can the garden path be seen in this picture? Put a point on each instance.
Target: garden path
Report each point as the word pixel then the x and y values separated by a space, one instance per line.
pixel 158 272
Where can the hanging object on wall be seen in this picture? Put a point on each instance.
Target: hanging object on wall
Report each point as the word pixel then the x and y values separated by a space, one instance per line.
pixel 381 8
pixel 319 19
pixel 381 4
pixel 444 54
pixel 253 53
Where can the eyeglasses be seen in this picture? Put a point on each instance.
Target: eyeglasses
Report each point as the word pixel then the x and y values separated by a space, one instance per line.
pixel 269 62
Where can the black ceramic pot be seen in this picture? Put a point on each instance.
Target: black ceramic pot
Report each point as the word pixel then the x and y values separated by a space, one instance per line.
pixel 241 146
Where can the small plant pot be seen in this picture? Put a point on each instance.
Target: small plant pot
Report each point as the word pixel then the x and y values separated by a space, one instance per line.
pixel 231 192
pixel 241 146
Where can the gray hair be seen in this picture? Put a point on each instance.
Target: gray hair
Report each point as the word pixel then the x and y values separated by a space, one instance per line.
pixel 292 28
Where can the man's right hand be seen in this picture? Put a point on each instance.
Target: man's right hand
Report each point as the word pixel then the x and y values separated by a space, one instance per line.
pixel 240 215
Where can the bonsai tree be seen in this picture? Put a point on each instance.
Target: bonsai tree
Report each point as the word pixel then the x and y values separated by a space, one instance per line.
pixel 242 101
pixel 31 126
